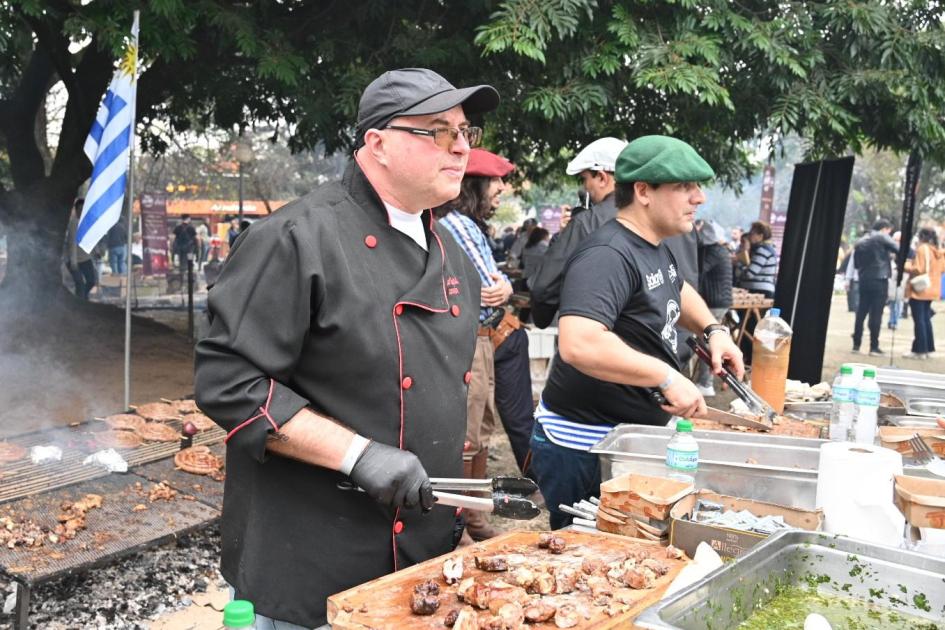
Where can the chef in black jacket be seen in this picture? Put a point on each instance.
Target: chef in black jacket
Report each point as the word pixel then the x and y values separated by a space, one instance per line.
pixel 342 333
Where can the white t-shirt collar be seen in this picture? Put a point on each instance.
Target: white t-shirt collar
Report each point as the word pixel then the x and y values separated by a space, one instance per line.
pixel 408 223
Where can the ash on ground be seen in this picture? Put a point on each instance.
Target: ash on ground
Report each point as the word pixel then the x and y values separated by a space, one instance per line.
pixel 128 593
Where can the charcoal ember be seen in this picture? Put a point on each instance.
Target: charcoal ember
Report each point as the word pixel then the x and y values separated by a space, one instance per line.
pixel 493 564
pixel 544 539
pixel 567 616
pixel 557 544
pixel 539 611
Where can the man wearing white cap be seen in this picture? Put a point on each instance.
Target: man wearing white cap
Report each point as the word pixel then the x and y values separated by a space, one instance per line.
pixel 595 165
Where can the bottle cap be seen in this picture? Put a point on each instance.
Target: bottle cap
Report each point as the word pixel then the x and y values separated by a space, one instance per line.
pixel 239 614
pixel 869 373
pixel 684 426
pixel 846 369
pixel 774 312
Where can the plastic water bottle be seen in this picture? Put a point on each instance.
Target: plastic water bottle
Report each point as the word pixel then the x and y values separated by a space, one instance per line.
pixel 770 355
pixel 682 454
pixel 867 408
pixel 239 613
pixel 843 410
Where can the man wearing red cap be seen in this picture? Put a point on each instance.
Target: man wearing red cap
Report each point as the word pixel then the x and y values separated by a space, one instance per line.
pixel 501 382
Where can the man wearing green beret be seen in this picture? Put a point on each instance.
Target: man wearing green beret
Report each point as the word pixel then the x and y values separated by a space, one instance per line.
pixel 621 300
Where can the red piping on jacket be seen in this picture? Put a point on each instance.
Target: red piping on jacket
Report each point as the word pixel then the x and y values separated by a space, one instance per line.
pixel 400 362
pixel 263 413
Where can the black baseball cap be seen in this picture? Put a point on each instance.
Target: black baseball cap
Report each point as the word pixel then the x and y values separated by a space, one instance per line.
pixel 417 92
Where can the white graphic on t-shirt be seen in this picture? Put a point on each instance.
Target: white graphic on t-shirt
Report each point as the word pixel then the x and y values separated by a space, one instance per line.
pixel 669 330
pixel 654 280
pixel 672 273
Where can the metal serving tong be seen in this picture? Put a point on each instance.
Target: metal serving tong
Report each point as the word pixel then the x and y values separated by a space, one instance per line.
pixel 755 403
pixel 507 500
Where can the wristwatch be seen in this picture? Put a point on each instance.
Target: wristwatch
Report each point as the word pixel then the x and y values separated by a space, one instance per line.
pixel 714 329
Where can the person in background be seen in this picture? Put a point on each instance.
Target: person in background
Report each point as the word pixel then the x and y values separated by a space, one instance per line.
pixel 850 280
pixel 117 240
pixel 233 232
pixel 203 243
pixel 185 241
pixel 715 287
pixel 514 257
pixel 759 275
pixel 736 237
pixel 535 248
pixel 873 259
pixel 621 300
pixel 80 264
pixel 929 259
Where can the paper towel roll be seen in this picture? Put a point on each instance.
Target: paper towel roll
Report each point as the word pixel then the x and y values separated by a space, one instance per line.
pixel 855 489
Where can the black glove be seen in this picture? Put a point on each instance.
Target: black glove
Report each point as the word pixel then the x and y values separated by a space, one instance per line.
pixel 393 477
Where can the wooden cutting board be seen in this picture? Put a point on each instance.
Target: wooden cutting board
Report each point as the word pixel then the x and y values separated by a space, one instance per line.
pixel 385 602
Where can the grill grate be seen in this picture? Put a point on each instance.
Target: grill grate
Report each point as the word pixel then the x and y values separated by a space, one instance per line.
pixel 23 478
pixel 204 488
pixel 112 530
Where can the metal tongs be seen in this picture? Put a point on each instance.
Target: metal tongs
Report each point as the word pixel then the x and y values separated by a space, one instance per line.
pixel 756 404
pixel 508 495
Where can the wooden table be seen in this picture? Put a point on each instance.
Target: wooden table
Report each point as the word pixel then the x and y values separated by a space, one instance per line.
pixel 746 309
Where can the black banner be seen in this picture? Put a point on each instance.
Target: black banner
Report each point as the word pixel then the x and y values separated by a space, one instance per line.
pixel 913 168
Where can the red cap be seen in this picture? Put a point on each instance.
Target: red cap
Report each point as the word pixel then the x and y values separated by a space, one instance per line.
pixel 484 163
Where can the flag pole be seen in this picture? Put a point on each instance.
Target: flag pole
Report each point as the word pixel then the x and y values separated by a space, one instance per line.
pixel 130 197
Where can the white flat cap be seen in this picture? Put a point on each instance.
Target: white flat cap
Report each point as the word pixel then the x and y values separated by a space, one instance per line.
pixel 600 155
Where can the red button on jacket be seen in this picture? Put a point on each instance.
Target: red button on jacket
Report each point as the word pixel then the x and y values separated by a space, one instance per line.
pixel 399 310
pixel 398 527
pixel 371 241
pixel 407 383
pixel 455 310
pixel 467 377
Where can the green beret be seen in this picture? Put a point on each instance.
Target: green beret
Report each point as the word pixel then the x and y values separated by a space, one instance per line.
pixel 660 160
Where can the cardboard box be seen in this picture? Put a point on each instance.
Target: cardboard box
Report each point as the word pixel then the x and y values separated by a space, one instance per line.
pixel 731 543
pixel 921 500
pixel 642 495
pixel 897 439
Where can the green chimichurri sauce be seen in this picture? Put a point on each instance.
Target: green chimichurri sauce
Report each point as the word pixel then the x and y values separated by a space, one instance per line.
pixel 792 604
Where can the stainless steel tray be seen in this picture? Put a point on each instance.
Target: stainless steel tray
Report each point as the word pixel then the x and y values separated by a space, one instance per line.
pixel 821 409
pixel 911 384
pixel 771 468
pixel 913 422
pixel 843 566
pixel 934 407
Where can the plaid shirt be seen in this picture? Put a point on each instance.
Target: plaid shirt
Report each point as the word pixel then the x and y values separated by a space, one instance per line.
pixel 471 239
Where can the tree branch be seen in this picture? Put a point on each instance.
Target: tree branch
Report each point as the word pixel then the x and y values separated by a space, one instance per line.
pixel 17 123
pixel 50 37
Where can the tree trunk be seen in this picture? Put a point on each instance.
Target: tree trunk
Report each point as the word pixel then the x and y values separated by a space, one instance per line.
pixel 35 232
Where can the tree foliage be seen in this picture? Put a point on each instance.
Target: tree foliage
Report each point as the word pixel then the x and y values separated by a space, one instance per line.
pixel 842 75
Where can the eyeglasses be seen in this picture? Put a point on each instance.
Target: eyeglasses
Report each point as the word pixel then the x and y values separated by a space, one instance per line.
pixel 444 137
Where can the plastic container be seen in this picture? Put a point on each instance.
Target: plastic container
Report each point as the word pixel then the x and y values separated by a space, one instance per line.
pixel 682 454
pixel 867 408
pixel 771 354
pixel 843 410
pixel 239 613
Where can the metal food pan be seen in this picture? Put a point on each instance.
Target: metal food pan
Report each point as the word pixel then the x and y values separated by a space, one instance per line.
pixel 770 468
pixel 914 422
pixel 911 384
pixel 895 579
pixel 929 407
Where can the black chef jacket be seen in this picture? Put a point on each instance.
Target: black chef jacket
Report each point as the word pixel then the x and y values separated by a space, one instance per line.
pixel 323 304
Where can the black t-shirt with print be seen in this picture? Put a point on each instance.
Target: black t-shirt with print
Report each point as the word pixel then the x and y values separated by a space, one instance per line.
pixel 633 288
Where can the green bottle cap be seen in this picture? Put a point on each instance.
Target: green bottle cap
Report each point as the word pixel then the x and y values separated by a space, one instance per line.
pixel 869 373
pixel 683 426
pixel 846 369
pixel 239 614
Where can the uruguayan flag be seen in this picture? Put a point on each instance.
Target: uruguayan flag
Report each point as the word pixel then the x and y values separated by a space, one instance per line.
pixel 108 146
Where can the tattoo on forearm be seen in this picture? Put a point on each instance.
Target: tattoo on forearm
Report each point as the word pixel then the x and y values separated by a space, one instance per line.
pixel 277 437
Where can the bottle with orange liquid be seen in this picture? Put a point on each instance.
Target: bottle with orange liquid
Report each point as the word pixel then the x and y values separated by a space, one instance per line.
pixel 771 354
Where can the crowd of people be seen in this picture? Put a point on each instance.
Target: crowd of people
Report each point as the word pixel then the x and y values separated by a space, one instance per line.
pixel 870 276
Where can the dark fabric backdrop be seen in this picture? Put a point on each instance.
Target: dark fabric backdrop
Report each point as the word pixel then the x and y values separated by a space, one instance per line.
pixel 815 215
